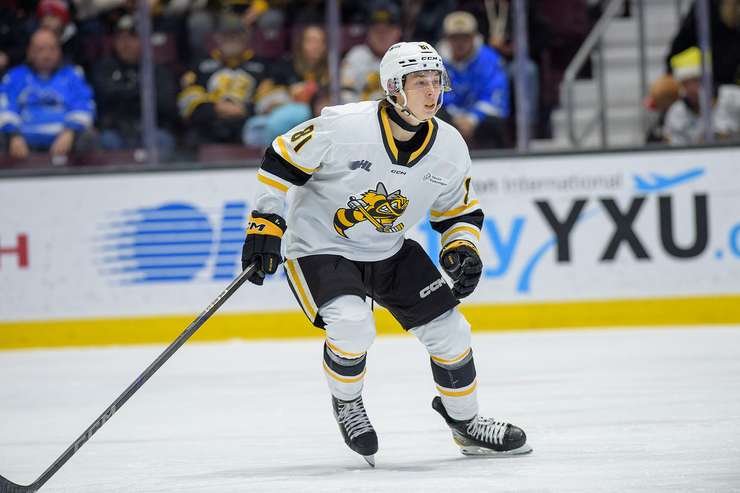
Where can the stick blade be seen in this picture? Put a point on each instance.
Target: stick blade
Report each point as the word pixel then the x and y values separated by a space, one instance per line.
pixel 7 486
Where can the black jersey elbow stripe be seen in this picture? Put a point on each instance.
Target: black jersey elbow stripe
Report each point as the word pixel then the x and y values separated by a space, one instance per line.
pixel 474 218
pixel 274 164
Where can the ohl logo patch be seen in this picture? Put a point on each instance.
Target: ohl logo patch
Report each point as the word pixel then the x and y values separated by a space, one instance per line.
pixel 378 207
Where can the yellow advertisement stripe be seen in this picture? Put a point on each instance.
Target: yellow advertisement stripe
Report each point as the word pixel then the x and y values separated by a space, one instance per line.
pixel 458 393
pixel 454 212
pixel 342 379
pixel 286 156
pixel 292 271
pixel 272 183
pixel 710 310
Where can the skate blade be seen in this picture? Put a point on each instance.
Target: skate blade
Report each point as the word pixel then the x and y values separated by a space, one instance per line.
pixel 473 451
pixel 370 459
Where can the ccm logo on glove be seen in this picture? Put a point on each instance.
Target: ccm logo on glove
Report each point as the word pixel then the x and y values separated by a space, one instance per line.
pixel 262 245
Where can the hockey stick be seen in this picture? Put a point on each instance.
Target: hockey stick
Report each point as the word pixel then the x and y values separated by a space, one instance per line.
pixel 10 487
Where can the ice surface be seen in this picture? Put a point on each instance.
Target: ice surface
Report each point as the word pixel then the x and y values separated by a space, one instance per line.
pixel 607 410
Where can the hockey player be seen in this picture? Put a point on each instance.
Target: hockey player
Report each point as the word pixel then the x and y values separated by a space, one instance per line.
pixel 360 176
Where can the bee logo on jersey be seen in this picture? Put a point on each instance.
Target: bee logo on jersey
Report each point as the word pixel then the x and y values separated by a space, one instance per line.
pixel 377 206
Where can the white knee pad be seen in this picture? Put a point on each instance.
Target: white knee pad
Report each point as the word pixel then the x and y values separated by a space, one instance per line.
pixel 350 327
pixel 447 337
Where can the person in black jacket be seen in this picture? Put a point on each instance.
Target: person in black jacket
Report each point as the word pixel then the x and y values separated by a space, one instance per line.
pixel 220 93
pixel 117 86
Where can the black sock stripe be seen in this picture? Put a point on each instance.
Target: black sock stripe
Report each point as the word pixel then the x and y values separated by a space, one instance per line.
pixel 454 378
pixel 343 366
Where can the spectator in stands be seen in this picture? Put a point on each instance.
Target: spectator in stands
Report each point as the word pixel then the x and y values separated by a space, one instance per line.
pixel 423 19
pixel 500 15
pixel 724 18
pixel 359 76
pixel 55 15
pixel 664 91
pixel 320 100
pixel 683 123
pixel 11 39
pixel 220 92
pixel 46 105
pixel 478 105
pixel 284 101
pixel 267 16
pixel 727 113
pixel 116 81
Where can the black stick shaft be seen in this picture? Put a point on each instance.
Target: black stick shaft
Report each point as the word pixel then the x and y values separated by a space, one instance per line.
pixel 10 487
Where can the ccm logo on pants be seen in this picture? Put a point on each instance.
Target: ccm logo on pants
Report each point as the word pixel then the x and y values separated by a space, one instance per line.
pixel 431 288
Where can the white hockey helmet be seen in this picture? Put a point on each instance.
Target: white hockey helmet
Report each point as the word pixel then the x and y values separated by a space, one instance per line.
pixel 402 59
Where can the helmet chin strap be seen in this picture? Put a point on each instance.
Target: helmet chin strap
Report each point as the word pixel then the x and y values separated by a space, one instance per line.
pixel 406 111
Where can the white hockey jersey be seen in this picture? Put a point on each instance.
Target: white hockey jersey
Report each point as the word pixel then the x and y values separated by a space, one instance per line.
pixel 355 192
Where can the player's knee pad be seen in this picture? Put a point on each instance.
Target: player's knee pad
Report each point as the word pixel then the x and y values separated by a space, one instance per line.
pixel 447 337
pixel 350 327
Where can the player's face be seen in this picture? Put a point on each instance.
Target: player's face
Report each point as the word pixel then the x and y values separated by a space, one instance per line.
pixel 422 91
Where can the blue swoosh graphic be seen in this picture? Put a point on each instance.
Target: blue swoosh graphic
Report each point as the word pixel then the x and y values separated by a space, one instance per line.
pixel 523 286
pixel 656 182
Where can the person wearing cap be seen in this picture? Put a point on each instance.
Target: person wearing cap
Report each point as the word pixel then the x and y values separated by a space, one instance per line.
pixel 683 122
pixel 223 90
pixel 55 15
pixel 724 31
pixel 117 84
pixel 359 74
pixel 46 105
pixel 478 105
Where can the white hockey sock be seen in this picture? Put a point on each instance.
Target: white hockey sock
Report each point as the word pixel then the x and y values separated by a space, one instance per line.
pixel 447 338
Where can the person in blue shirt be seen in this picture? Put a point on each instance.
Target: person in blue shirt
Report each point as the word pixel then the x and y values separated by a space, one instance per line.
pixel 44 104
pixel 478 105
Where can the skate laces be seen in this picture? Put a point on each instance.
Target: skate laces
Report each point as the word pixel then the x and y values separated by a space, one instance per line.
pixel 487 430
pixel 354 418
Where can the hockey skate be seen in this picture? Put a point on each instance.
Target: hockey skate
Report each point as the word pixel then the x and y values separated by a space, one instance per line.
pixel 483 436
pixel 356 429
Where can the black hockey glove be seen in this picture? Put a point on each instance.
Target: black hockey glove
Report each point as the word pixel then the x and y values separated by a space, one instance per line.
pixel 264 234
pixel 461 262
